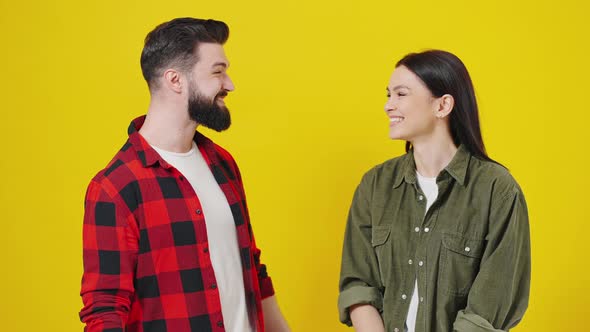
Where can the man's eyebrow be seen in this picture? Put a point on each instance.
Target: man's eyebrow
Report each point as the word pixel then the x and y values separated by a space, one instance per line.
pixel 223 64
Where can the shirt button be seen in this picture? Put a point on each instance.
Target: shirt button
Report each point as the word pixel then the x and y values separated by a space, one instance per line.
pixel 182 178
pixel 467 249
pixel 427 229
pixel 199 211
pixel 420 263
pixel 220 324
pixel 417 229
pixel 410 262
pixel 421 299
pixel 396 330
pixel 206 250
pixel 213 286
pixel 404 296
pixel 420 197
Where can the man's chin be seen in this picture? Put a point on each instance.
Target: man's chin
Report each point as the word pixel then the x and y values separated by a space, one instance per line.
pixel 219 128
pixel 214 116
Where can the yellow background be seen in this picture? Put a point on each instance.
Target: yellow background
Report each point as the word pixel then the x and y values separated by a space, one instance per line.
pixel 308 122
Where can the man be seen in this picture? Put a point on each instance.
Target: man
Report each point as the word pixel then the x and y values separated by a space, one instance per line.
pixel 167 240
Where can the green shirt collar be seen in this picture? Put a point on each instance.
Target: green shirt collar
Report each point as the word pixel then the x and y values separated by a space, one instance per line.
pixel 457 168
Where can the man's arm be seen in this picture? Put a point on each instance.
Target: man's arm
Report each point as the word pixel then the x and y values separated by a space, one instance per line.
pixel 274 321
pixel 109 252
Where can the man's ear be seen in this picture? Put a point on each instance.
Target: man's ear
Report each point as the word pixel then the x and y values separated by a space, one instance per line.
pixel 172 80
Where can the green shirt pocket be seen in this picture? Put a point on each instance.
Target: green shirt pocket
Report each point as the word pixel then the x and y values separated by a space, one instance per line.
pixel 380 236
pixel 460 260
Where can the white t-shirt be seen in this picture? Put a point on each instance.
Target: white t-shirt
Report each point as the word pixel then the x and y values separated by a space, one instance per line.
pixel 430 190
pixel 221 233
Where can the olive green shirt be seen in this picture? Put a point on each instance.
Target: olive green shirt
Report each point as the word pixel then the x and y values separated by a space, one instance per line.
pixel 470 252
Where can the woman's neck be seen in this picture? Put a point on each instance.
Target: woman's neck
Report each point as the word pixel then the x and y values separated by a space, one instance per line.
pixel 432 157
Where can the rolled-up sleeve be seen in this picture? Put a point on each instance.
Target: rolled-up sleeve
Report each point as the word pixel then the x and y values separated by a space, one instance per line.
pixel 499 296
pixel 264 281
pixel 359 274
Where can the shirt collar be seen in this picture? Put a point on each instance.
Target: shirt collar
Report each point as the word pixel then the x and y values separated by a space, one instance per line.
pixel 457 168
pixel 148 155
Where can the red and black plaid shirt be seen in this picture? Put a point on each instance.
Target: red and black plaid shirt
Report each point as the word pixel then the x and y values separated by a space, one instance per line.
pixel 146 258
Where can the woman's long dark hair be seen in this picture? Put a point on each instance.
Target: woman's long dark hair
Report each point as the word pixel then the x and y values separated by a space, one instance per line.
pixel 444 73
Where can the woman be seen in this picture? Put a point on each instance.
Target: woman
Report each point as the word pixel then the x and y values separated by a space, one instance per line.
pixel 438 238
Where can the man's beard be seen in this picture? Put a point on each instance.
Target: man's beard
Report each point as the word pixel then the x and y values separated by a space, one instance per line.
pixel 207 112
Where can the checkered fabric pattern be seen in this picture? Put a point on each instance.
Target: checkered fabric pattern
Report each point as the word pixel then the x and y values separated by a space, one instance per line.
pixel 146 258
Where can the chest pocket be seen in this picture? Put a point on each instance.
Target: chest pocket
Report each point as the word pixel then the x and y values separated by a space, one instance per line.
pixel 379 235
pixel 382 246
pixel 460 261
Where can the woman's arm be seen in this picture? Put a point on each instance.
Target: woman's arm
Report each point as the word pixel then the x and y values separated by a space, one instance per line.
pixel 365 318
pixel 499 296
pixel 360 284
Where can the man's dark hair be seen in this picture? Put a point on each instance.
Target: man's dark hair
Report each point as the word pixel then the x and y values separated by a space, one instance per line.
pixel 175 44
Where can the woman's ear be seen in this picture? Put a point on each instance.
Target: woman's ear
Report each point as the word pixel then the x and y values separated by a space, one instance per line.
pixel 446 103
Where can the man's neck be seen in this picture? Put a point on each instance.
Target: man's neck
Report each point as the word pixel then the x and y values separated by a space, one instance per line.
pixel 168 127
